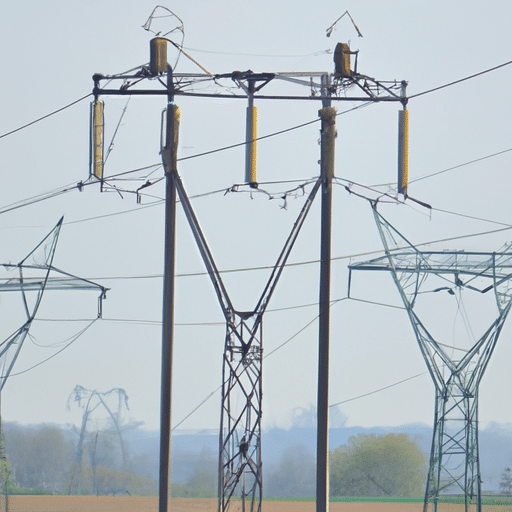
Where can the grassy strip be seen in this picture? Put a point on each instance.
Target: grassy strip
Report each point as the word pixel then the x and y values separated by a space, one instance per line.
pixel 486 500
pixel 375 499
pixel 352 499
pixel 20 491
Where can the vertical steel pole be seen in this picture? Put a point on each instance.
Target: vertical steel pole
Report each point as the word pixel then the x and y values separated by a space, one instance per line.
pixel 328 134
pixel 169 159
pixel 4 466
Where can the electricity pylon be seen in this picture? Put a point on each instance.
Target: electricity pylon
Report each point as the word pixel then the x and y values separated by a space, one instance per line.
pixel 242 354
pixel 90 401
pixel 454 466
pixel 35 275
pixel 240 464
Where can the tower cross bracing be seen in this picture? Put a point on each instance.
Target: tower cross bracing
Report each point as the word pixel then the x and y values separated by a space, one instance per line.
pixel 454 458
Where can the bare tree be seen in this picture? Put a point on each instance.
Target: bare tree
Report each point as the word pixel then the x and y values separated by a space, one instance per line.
pixel 506 482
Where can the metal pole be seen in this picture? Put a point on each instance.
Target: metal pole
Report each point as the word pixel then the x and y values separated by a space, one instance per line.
pixel 169 159
pixel 4 465
pixel 328 134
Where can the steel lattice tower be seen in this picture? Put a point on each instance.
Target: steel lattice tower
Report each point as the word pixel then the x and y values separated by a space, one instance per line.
pixel 454 467
pixel 240 464
pixel 33 276
pixel 90 401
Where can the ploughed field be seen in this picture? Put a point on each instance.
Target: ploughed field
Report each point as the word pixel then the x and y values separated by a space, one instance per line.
pixel 138 504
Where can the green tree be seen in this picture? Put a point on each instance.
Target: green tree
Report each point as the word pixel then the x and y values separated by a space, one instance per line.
pixel 113 481
pixel 372 465
pixel 203 483
pixel 39 456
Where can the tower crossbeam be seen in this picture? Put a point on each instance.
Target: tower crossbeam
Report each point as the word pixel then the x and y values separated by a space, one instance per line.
pixel 454 466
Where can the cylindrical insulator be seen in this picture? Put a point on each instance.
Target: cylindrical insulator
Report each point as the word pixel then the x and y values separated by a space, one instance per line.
pixel 342 61
pixel 97 130
pixel 158 55
pixel 170 147
pixel 403 151
pixel 250 152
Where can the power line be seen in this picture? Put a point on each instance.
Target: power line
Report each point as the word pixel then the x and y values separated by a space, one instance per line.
pixel 302 263
pixel 38 199
pixel 131 210
pixel 448 212
pixel 376 303
pixel 460 165
pixel 210 324
pixel 46 116
pixel 29 202
pixel 314 54
pixel 274 134
pixel 159 322
pixel 378 390
pixel 238 144
pixel 265 357
pixel 224 190
pixel 142 207
pixel 291 338
pixel 124 173
pixel 73 339
pixel 472 217
pixel 460 80
pixel 460 237
pixel 196 408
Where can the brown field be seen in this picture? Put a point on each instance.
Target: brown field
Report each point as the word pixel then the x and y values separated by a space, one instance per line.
pixel 135 504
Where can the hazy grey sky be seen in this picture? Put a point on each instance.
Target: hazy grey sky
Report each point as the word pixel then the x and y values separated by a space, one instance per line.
pixel 51 50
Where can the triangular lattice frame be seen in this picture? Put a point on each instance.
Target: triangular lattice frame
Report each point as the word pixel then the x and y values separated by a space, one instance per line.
pixel 454 460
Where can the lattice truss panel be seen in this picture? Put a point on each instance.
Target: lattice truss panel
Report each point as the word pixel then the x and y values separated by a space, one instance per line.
pixel 32 276
pixel 240 443
pixel 240 464
pixel 452 289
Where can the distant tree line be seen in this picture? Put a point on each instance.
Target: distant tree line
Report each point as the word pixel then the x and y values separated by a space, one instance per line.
pixel 44 457
pixel 368 465
pixel 40 457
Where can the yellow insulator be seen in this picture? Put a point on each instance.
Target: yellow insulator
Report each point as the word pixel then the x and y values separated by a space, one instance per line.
pixel 342 61
pixel 170 148
pixel 250 173
pixel 97 130
pixel 158 55
pixel 403 151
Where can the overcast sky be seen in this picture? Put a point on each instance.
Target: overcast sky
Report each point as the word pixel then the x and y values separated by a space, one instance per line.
pixel 51 50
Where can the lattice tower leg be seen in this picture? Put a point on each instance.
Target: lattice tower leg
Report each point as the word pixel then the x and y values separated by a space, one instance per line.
pixel 240 465
pixel 454 460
